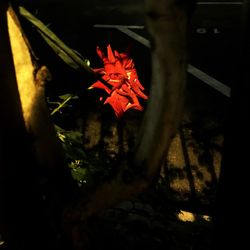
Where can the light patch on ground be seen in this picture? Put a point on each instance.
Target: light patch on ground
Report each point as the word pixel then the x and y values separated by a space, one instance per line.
pixel 186 216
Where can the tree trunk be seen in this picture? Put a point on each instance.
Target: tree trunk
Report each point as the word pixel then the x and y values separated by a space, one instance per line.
pixel 33 177
pixel 167 23
pixel 19 195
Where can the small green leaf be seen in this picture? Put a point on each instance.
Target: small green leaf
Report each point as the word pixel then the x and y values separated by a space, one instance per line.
pixel 74 136
pixel 64 97
pixel 79 173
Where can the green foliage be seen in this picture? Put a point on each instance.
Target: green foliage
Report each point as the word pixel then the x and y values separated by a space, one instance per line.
pixel 65 98
pixel 78 173
pixel 68 55
pixel 76 157
pixel 71 141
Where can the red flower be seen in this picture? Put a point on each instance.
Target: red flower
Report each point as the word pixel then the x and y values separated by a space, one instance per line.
pixel 120 73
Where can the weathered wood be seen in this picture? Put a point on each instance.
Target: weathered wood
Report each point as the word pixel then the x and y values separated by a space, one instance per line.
pixel 167 23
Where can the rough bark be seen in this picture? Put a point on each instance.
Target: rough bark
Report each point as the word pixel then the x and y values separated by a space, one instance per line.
pixel 167 23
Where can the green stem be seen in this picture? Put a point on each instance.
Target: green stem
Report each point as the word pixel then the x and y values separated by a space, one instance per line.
pixel 61 105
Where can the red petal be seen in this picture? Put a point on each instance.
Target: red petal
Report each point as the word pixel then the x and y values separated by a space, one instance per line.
pixel 136 85
pixel 100 53
pixel 109 68
pixel 117 55
pixel 131 96
pixel 117 103
pixel 135 104
pixel 122 93
pixel 126 88
pixel 134 76
pixel 124 59
pixel 100 85
pixel 124 56
pixel 128 64
pixel 119 68
pixel 115 83
pixel 137 90
pixel 111 56
pixel 99 71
